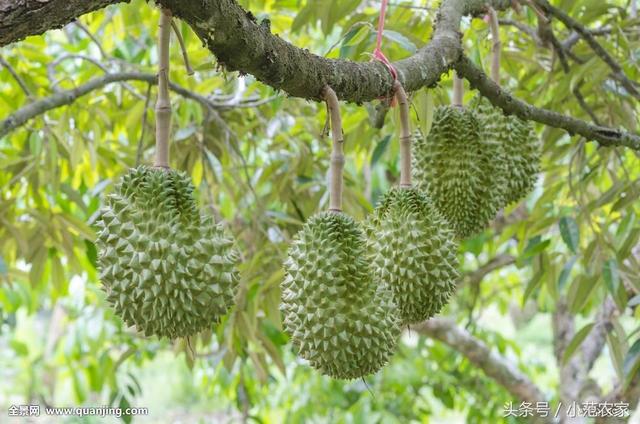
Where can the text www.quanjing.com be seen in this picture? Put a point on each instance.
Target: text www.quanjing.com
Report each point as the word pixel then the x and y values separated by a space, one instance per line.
pixel 99 412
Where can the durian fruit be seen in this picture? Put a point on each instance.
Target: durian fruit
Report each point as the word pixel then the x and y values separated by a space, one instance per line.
pixel 339 320
pixel 413 250
pixel 166 269
pixel 520 144
pixel 459 170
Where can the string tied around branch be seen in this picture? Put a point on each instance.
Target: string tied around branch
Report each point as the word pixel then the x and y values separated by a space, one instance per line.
pixel 377 52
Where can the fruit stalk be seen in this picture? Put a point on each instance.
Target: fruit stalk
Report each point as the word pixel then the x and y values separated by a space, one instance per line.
pixel 405 138
pixel 163 104
pixel 458 90
pixel 337 155
pixel 496 46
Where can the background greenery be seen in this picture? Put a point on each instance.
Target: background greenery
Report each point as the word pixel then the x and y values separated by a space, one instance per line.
pixel 259 161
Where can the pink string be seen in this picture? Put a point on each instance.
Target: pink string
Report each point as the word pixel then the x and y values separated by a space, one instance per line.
pixel 377 52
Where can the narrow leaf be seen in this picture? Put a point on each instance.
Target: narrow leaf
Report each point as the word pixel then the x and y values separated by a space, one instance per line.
pixel 631 363
pixel 576 342
pixel 570 233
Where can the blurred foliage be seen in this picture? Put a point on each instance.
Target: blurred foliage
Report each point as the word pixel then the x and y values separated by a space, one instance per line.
pixel 260 162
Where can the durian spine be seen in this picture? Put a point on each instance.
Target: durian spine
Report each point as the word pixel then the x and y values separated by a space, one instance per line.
pixel 163 104
pixel 337 154
pixel 405 138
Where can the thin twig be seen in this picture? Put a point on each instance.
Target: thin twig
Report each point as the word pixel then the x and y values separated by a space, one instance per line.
pixel 93 38
pixel 583 104
pixel 574 37
pixel 67 97
pixel 572 24
pixel 185 56
pixel 51 72
pixel 502 99
pixel 16 77
pixel 522 27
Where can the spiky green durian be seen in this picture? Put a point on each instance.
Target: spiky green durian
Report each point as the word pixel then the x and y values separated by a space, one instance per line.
pixel 459 171
pixel 413 250
pixel 338 318
pixel 165 268
pixel 521 146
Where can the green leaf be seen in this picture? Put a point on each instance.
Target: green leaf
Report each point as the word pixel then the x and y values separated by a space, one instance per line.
pixel 184 133
pixel 381 147
pixel 403 41
pixel 570 233
pixel 580 291
pixel 566 272
pixel 576 342
pixel 533 284
pixel 356 34
pixel 535 247
pixel 631 363
pixel 628 244
pixel 616 352
pixel 424 105
pixel 92 253
pixel 611 275
pixel 20 348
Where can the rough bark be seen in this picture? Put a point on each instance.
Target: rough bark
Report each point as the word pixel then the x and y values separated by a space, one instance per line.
pixel 21 18
pixel 241 43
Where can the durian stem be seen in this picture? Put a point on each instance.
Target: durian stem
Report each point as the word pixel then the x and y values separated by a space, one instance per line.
pixel 405 138
pixel 337 155
pixel 163 104
pixel 496 46
pixel 458 90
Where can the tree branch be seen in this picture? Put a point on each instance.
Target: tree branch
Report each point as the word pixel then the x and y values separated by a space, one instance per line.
pixel 498 367
pixel 18 78
pixel 511 105
pixel 241 43
pixel 523 28
pixel 499 261
pixel 19 19
pixel 67 97
pixel 594 343
pixel 588 36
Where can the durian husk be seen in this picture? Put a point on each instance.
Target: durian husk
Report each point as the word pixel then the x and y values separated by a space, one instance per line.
pixel 338 318
pixel 167 270
pixel 520 144
pixel 413 250
pixel 459 170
